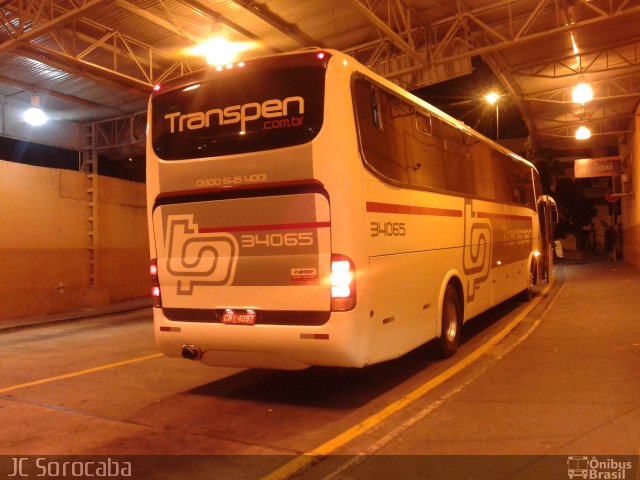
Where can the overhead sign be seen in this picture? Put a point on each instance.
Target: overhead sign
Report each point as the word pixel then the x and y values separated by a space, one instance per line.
pixel 597 167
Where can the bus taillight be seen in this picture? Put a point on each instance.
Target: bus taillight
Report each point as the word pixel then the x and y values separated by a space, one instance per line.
pixel 155 283
pixel 343 283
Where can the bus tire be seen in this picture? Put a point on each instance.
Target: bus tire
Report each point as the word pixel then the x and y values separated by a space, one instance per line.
pixel 451 322
pixel 527 293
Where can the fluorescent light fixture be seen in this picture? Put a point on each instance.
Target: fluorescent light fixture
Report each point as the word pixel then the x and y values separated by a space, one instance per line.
pixel 583 133
pixel 582 93
pixel 34 115
pixel 492 97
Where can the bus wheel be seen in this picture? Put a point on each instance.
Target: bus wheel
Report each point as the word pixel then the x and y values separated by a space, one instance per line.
pixel 451 322
pixel 527 293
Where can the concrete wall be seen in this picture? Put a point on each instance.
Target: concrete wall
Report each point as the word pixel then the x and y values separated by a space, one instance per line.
pixel 44 260
pixel 123 240
pixel 631 204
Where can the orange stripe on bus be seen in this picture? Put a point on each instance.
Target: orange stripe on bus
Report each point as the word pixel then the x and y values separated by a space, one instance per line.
pixel 376 207
pixel 252 228
pixel 505 216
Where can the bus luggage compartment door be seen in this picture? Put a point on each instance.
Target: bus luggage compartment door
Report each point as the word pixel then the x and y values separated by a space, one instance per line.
pixel 263 253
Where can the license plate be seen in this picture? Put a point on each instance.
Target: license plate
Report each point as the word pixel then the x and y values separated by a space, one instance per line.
pixel 239 317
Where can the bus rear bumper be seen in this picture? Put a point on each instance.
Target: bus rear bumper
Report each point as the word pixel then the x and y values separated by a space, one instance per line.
pixel 282 347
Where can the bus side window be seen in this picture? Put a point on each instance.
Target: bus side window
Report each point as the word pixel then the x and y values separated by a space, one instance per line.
pixel 458 165
pixel 501 184
pixel 513 181
pixel 383 149
pixel 527 188
pixel 399 119
pixel 521 184
pixel 483 169
pixel 425 153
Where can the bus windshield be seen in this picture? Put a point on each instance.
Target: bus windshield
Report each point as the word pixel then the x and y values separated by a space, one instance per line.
pixel 239 111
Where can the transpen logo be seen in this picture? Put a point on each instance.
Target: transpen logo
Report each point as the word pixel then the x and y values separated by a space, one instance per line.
pixel 274 108
pixel 476 259
pixel 198 259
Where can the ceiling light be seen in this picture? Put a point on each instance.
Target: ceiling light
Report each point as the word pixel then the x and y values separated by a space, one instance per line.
pixel 219 51
pixel 582 93
pixel 34 115
pixel 583 133
pixel 492 97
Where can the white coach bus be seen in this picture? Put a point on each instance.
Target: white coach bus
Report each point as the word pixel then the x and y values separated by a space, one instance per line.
pixel 306 211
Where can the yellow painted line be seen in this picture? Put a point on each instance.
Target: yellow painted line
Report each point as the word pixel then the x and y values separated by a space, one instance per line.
pixel 306 459
pixel 79 373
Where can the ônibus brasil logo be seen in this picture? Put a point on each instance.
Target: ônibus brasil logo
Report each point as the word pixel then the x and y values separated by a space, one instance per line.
pixel 269 109
pixel 595 468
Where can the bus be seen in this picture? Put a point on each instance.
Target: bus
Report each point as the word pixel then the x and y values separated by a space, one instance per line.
pixel 304 211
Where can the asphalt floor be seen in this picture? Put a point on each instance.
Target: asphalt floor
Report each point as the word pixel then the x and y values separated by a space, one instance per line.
pixel 142 305
pixel 571 388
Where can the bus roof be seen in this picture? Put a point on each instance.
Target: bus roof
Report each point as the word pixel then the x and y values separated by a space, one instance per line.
pixel 321 56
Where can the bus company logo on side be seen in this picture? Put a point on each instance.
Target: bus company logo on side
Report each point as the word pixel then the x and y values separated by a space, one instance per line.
pixel 476 260
pixel 276 114
pixel 198 259
pixel 519 236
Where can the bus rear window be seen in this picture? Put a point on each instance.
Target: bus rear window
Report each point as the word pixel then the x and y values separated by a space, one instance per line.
pixel 239 112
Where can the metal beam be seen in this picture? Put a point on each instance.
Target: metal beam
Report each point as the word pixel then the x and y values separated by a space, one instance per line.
pixel 53 22
pixel 589 121
pixel 202 10
pixel 449 38
pixel 388 32
pixel 610 88
pixel 120 132
pixel 456 28
pixel 31 87
pixel 100 75
pixel 131 8
pixel 567 135
pixel 570 102
pixel 605 58
pixel 492 28
pixel 130 63
pixel 263 12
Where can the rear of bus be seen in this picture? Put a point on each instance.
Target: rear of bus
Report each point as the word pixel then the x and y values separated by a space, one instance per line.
pixel 247 240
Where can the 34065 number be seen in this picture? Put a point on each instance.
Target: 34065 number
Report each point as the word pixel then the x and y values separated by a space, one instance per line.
pixel 293 239
pixel 388 229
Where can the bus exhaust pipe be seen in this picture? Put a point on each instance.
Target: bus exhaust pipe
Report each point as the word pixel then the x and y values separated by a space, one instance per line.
pixel 191 352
